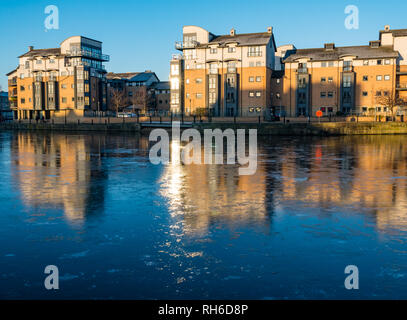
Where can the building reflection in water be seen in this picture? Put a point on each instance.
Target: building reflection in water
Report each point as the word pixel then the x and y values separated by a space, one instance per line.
pixel 205 196
pixel 361 175
pixel 57 171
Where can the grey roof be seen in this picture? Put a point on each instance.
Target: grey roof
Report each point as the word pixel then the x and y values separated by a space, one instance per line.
pixel 162 85
pixel 132 76
pixel 246 39
pixel 396 32
pixel 361 52
pixel 42 52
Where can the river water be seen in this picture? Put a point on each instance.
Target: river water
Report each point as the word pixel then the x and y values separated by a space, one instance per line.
pixel 118 227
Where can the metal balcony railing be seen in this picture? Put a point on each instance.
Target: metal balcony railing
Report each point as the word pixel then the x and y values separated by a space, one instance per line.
pixel 401 86
pixel 181 45
pixel 254 54
pixel 12 82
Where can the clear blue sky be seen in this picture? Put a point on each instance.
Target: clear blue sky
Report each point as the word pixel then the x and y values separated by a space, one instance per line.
pixel 140 35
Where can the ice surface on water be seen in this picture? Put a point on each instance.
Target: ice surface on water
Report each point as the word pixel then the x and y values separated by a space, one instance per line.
pixel 119 227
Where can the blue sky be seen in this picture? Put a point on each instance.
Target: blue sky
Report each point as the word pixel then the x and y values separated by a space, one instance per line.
pixel 140 35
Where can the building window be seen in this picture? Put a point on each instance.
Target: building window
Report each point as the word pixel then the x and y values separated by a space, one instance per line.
pixel 258 64
pixel 258 94
pixel 188 95
pixel 38 61
pixel 323 94
pixel 27 64
pixel 378 93
pixel 347 81
pixel 199 95
pixel 364 109
pixel 63 100
pixel 22 88
pixel 187 81
pixel 330 64
pixel 387 61
pixel 63 86
pixel 364 93
pixel 365 78
pixel 175 69
pixel 251 79
pixel 365 62
pixel 278 81
pixel 22 100
pixel 213 50
pixel 323 79
pixel 323 64
pixel 386 77
pixel 330 94
pixel 254 52
pixel 386 93
pixel 330 80
pixel 198 66
pixel 198 80
pixel 379 78
pixel 251 94
pixel 175 84
pixel 212 83
pixel 258 79
pixel 278 95
pixel 379 62
pixel 232 49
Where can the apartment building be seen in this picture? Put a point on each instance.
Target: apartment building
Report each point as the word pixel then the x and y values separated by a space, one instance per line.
pixel 162 96
pixel 226 75
pixel 360 80
pixel 59 82
pixel 136 90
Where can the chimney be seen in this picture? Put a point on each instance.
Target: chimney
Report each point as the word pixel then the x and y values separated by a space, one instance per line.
pixel 270 30
pixel 233 32
pixel 386 28
pixel 30 48
pixel 329 46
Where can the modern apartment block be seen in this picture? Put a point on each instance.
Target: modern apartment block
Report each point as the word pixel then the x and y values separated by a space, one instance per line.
pixel 59 82
pixel 227 75
pixel 344 80
pixel 142 91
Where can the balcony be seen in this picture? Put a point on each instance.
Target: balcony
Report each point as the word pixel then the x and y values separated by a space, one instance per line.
pixel 401 86
pixel 302 70
pixel 254 54
pixel 12 82
pixel 177 57
pixel 181 45
pixel 88 54
pixel 400 71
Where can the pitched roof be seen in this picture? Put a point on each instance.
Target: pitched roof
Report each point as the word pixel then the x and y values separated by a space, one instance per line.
pixel 361 52
pixel 245 39
pixel 132 76
pixel 396 32
pixel 42 52
pixel 162 85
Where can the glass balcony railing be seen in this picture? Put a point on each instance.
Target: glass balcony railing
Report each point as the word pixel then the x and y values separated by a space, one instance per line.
pixel 88 54
pixel 180 45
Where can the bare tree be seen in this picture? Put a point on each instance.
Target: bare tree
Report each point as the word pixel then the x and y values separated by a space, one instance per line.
pixel 118 99
pixel 390 100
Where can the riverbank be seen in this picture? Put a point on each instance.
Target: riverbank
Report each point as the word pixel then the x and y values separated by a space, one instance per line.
pixel 272 129
pixel 80 127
